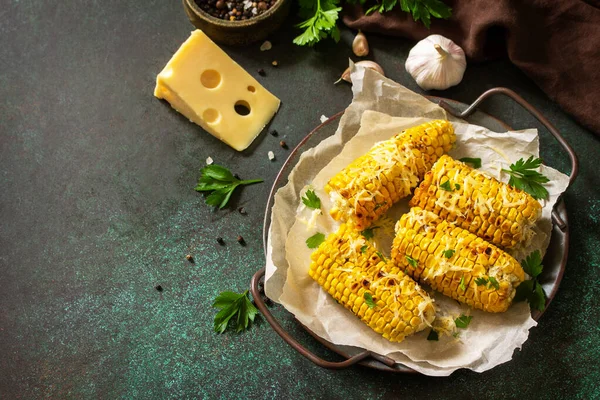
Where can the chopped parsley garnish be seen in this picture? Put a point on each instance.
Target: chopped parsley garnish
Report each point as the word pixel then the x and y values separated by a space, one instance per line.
pixel 456 186
pixel 463 321
pixel 446 186
pixel 311 200
pixel 379 205
pixel 475 162
pixel 364 248
pixel 315 240
pixel 481 281
pixel 494 283
pixel 531 290
pixel 523 176
pixel 411 261
pixel 380 255
pixel 368 233
pixel 448 253
pixel 461 285
pixel 369 300
pixel 433 335
pixel 236 306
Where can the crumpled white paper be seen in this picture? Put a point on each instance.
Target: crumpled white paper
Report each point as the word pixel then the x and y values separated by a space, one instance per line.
pixel 380 109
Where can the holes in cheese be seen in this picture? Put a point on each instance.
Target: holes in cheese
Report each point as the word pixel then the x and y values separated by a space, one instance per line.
pixel 210 78
pixel 242 107
pixel 210 89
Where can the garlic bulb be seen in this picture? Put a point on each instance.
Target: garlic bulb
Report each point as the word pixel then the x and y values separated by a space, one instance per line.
pixel 360 46
pixel 436 63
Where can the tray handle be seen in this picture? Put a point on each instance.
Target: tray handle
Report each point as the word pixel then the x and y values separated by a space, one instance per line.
pixel 260 304
pixel 533 111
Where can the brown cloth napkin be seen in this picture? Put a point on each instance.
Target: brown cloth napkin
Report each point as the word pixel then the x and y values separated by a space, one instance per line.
pixel 555 42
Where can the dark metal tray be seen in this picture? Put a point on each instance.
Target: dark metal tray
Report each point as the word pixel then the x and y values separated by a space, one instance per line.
pixel 555 259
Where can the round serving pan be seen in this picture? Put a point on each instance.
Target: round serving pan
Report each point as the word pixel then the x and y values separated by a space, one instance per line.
pixel 554 260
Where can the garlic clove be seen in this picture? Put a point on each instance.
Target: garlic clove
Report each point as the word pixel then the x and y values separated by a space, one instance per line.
pixel 360 45
pixel 436 62
pixel 364 64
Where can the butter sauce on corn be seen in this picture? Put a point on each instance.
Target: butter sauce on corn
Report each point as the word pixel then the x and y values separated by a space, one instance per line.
pixel 425 237
pixel 347 266
pixel 371 184
pixel 477 202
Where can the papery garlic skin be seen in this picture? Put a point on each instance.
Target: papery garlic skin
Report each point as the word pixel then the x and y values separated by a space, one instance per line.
pixel 436 62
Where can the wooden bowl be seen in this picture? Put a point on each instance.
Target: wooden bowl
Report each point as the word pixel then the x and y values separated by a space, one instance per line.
pixel 238 32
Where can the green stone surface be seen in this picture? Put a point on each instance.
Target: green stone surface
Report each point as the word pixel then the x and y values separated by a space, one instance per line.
pixel 97 207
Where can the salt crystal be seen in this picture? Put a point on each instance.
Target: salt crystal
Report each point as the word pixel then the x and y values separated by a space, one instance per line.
pixel 229 5
pixel 323 118
pixel 271 155
pixel 209 161
pixel 254 11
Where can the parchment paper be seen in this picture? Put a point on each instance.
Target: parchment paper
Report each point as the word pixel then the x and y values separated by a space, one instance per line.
pixel 490 339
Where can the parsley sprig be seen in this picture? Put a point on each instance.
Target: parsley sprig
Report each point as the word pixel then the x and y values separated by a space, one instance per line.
pixel 531 290
pixel 311 200
pixel 321 23
pixel 320 16
pixel 475 162
pixel 523 175
pixel 369 300
pixel 221 183
pixel 236 308
pixel 315 240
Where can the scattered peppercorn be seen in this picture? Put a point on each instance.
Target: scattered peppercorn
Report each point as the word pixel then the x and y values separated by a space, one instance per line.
pixel 242 211
pixel 235 10
pixel 274 132
pixel 262 72
pixel 220 241
pixel 241 240
pixel 275 63
pixel 189 258
pixel 159 288
pixel 283 144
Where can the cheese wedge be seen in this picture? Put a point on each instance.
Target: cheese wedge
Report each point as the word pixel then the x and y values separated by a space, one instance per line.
pixel 209 88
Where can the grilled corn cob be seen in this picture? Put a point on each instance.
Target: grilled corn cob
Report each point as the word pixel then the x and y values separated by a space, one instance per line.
pixel 481 204
pixel 347 267
pixel 371 184
pixel 455 262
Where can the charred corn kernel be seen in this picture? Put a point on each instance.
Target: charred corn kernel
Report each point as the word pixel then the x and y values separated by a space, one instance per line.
pixel 371 184
pixel 490 209
pixel 402 307
pixel 447 254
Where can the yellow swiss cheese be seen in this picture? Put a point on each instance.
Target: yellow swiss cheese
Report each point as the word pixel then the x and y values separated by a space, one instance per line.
pixel 209 88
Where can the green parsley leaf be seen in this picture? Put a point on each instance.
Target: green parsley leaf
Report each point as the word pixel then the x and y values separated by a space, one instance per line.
pixel 369 300
pixel 456 335
pixel 523 176
pixel 463 321
pixel 380 255
pixel 221 183
pixel 433 335
pixel 315 240
pixel 446 186
pixel 364 248
pixel 379 205
pixel 321 15
pixel 411 261
pixel 311 200
pixel 494 283
pixel 481 281
pixel 456 186
pixel 320 23
pixel 475 162
pixel 461 285
pixel 368 233
pixel 232 305
pixel 532 264
pixel 533 292
pixel 448 253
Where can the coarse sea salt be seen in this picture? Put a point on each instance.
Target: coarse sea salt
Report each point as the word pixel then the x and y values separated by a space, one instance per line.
pixel 271 155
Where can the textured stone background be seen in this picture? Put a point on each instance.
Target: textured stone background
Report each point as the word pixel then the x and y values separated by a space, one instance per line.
pixel 97 207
